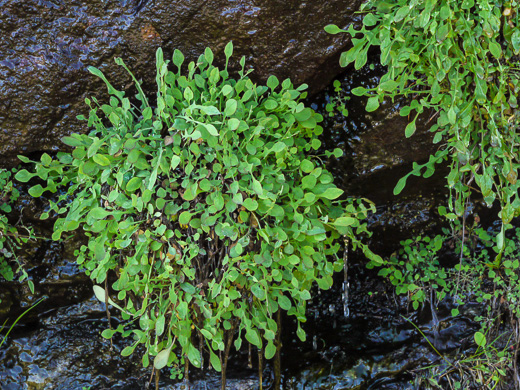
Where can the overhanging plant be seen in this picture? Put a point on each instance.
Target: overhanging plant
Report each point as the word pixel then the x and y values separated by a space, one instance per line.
pixel 211 210
pixel 457 61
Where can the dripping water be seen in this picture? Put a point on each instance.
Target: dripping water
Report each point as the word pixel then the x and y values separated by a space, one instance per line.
pixel 345 286
pixel 332 311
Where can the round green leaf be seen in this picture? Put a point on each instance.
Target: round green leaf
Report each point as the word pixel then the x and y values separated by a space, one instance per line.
pixel 250 204
pixel 185 217
pixel 231 107
pixel 36 191
pixel 161 360
pixel 372 104
pixel 306 166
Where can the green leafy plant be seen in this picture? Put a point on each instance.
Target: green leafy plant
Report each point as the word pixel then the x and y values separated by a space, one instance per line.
pixel 10 238
pixel 484 367
pixel 210 211
pixel 416 271
pixel 459 62
pixel 337 103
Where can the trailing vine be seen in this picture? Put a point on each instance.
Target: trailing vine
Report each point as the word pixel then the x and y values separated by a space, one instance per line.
pixel 457 61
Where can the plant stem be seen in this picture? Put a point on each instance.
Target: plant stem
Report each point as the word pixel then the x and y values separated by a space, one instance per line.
pixel 18 319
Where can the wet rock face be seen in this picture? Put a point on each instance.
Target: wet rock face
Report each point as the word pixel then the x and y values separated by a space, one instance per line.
pixel 46 47
pixel 374 142
pixel 377 154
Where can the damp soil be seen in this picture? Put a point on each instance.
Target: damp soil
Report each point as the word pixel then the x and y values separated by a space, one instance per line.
pixel 360 340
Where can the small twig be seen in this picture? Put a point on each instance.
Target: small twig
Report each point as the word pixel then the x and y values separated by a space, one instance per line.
pixel 277 356
pixel 260 369
pixel 108 313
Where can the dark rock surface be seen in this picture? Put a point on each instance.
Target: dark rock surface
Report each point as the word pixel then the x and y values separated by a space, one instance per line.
pixel 377 154
pixel 47 45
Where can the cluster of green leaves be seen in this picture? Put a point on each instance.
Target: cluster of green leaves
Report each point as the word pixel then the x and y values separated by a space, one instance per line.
pixel 460 61
pixel 337 102
pixel 505 278
pixel 415 271
pixel 210 210
pixel 10 239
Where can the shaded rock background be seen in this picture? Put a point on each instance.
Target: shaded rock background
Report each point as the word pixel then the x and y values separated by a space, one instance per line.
pixel 45 48
pixel 47 45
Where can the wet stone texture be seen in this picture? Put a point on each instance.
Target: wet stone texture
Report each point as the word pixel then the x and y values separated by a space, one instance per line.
pixel 377 154
pixel 46 47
